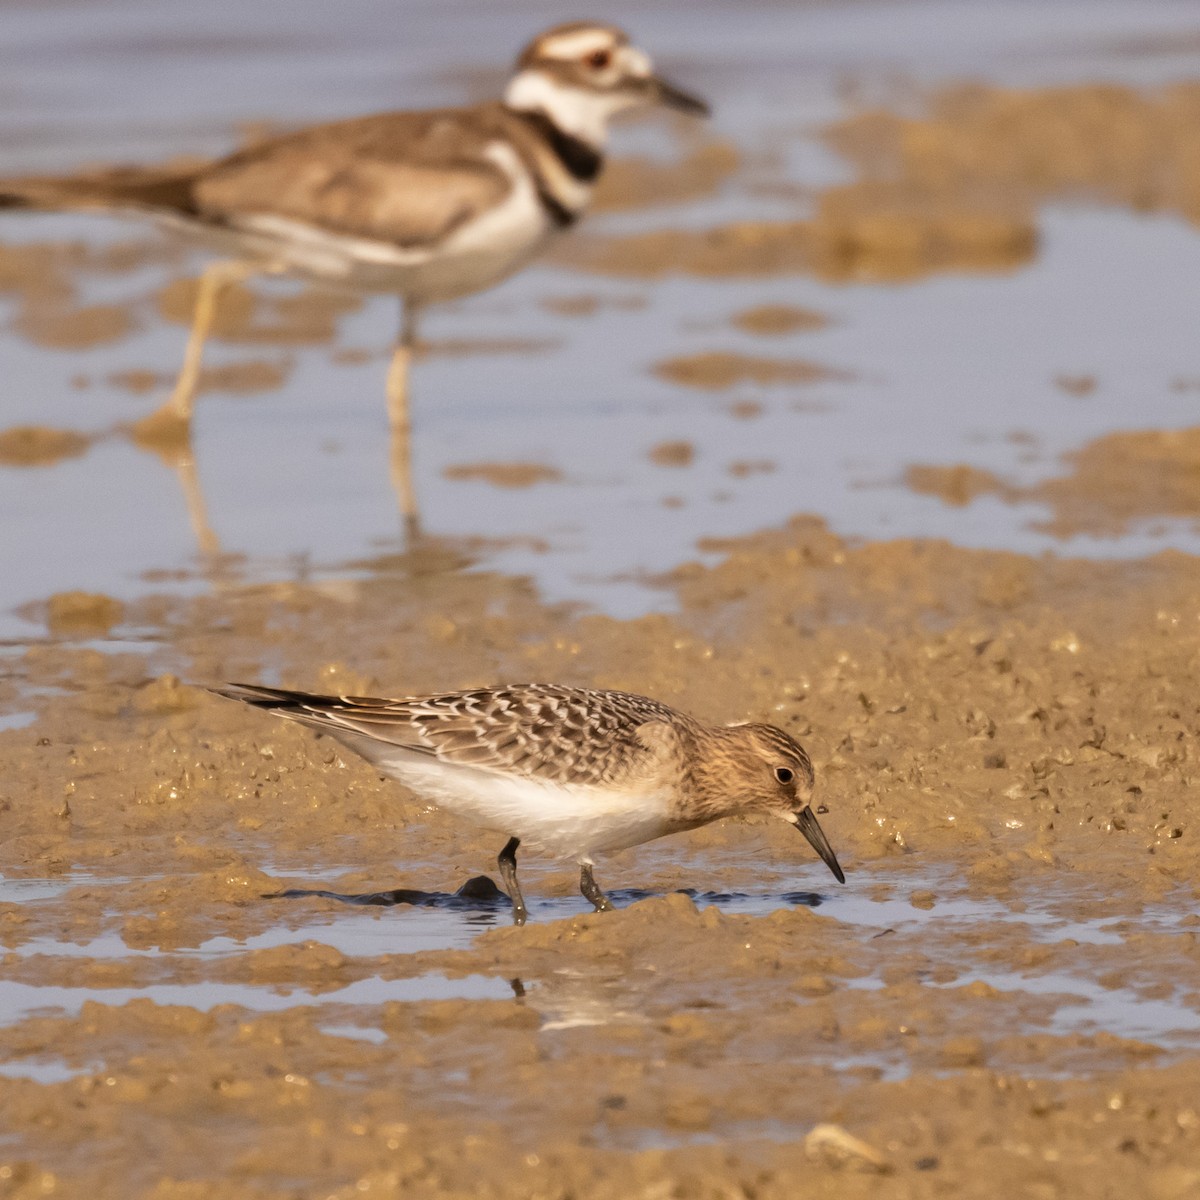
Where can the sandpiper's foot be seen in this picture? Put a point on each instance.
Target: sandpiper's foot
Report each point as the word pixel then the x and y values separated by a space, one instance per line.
pixel 591 890
pixel 507 861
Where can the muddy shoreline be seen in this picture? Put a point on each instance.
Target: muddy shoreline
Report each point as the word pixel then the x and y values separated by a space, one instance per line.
pixel 1004 998
pixel 988 730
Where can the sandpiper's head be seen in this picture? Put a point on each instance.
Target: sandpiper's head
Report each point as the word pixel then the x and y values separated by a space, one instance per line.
pixel 581 75
pixel 774 775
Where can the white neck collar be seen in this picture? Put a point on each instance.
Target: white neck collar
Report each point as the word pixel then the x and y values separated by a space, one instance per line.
pixel 584 115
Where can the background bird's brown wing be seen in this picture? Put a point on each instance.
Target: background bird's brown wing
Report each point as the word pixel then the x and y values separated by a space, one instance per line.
pixel 406 178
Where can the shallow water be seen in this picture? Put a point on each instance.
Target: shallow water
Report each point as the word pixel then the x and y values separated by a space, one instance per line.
pixel 958 923
pixel 20 1001
pixel 295 479
pixel 1015 947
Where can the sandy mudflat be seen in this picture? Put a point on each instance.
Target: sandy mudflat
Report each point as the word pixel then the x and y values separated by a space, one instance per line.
pixel 1003 996
pixel 1003 999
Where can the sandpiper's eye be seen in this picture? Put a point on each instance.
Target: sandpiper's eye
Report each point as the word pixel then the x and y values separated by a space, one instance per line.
pixel 784 774
pixel 599 59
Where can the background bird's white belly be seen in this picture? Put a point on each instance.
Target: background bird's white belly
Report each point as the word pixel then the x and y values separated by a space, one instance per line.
pixel 476 255
pixel 573 822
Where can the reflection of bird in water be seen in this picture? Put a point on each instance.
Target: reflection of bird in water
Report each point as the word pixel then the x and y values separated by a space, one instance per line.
pixel 426 205
pixel 181 459
pixel 576 771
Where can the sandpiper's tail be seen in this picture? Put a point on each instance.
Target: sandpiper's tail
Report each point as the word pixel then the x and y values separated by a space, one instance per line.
pixel 333 713
pixel 380 730
pixel 149 189
pixel 278 700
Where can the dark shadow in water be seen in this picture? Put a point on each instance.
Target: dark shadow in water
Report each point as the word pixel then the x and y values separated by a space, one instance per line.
pixel 477 892
pixel 481 892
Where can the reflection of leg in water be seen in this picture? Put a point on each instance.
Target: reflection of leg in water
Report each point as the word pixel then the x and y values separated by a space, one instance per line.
pixel 193 495
pixel 400 420
pixel 180 457
pixel 167 431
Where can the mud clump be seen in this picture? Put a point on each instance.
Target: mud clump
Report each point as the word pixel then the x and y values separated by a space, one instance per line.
pixel 957 485
pixel 242 314
pixel 1123 478
pixel 629 183
pixel 775 320
pixel 985 728
pixel 747 248
pixel 504 475
pixel 40 446
pixel 891 231
pixel 65 328
pixel 1138 148
pixel 74 613
pixel 717 370
pixel 1116 481
pixel 1076 385
pixel 43 277
pixel 673 454
pixel 956 187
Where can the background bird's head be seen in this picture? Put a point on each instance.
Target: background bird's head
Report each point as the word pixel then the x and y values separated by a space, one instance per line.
pixel 581 75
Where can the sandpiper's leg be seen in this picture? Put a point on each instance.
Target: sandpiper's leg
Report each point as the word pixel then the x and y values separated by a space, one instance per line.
pixel 398 416
pixel 507 861
pixel 216 278
pixel 591 889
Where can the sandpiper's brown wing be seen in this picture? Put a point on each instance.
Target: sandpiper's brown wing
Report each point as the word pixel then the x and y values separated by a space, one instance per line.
pixel 542 731
pixel 409 178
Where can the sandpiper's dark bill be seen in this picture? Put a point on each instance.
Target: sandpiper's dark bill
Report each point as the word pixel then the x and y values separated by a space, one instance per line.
pixel 807 823
pixel 574 771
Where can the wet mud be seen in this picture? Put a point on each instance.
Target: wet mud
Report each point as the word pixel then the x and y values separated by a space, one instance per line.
pixel 699 172
pixel 956 186
pixel 504 474
pixel 234 961
pixel 773 320
pixel 1116 483
pixel 717 370
pixel 40 446
pixel 225 932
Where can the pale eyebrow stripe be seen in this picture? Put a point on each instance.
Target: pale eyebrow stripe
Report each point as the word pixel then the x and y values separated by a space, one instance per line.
pixel 575 45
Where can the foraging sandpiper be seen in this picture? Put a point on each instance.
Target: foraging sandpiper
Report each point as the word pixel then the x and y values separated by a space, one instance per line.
pixel 574 771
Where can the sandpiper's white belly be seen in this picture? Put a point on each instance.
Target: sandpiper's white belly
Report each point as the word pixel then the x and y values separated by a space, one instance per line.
pixel 567 821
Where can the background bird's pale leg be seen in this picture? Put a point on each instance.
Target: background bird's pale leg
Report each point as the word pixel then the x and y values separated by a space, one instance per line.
pixel 591 889
pixel 507 861
pixel 213 282
pixel 170 425
pixel 400 420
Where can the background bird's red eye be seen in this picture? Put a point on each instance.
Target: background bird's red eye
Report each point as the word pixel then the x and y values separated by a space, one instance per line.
pixel 599 59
